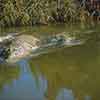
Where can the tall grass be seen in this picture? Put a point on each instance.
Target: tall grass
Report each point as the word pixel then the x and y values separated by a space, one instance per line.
pixel 30 12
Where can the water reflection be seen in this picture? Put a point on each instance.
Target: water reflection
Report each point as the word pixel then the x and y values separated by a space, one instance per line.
pixel 7 74
pixel 75 68
pixel 26 87
pixel 66 74
pixel 65 94
pixel 34 85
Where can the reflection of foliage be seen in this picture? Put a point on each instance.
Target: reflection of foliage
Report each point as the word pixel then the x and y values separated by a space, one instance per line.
pixel 76 68
pixel 7 74
pixel 35 72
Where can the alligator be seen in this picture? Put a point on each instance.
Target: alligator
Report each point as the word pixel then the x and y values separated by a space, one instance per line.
pixel 21 46
pixel 5 43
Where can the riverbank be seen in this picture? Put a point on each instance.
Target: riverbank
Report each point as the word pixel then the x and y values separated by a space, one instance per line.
pixel 29 13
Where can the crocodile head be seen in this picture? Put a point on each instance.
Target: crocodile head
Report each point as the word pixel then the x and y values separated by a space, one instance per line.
pixel 22 47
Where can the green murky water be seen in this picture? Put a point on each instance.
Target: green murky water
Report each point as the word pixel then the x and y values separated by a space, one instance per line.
pixel 65 74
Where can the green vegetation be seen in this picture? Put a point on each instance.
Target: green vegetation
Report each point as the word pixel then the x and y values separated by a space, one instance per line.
pixel 30 12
